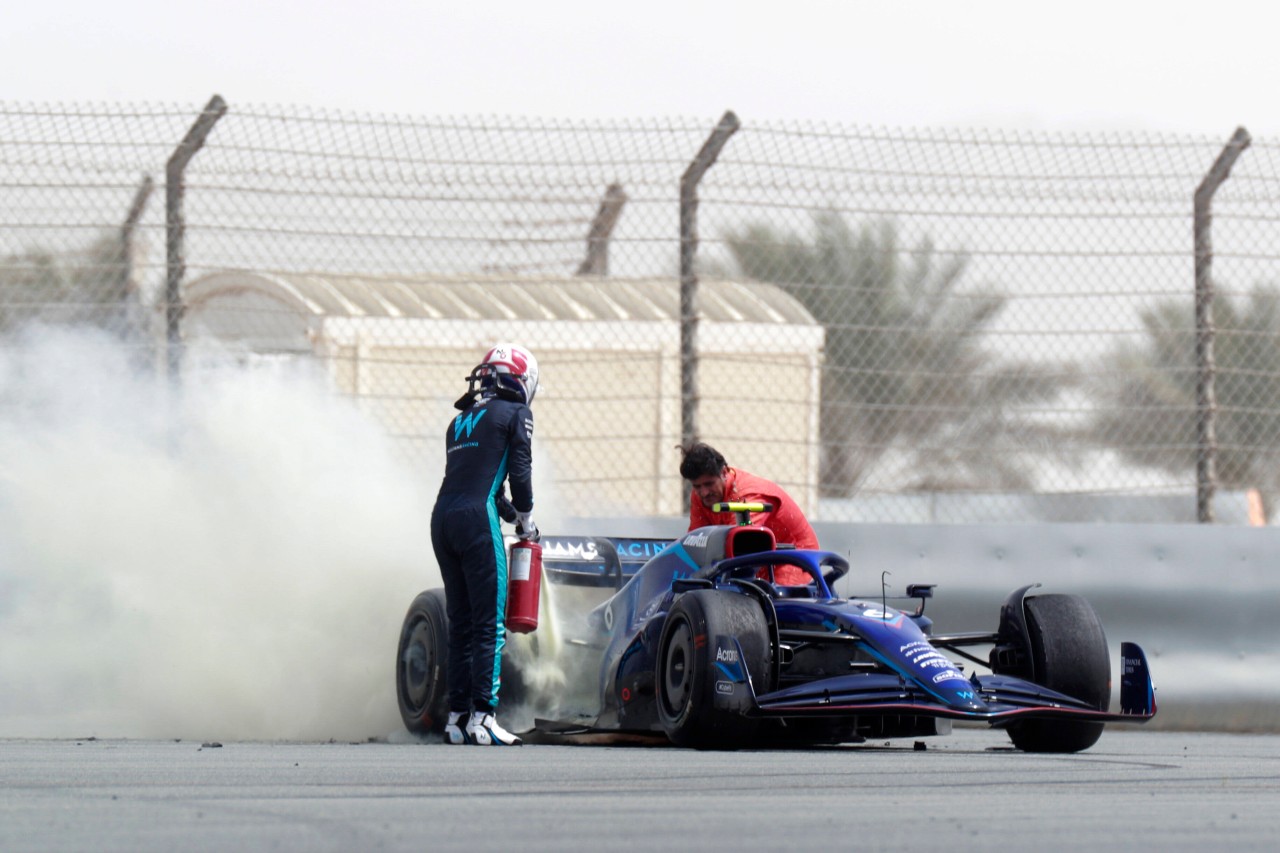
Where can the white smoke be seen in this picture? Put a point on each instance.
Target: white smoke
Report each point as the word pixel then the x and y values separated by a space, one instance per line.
pixel 229 561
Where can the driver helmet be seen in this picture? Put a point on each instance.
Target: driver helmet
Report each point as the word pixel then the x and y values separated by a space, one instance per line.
pixel 512 367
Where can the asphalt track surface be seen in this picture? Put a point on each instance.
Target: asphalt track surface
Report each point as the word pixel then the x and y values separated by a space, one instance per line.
pixel 1134 790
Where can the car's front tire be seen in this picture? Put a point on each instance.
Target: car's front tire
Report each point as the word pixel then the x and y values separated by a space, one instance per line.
pixel 1069 654
pixel 698 704
pixel 421 685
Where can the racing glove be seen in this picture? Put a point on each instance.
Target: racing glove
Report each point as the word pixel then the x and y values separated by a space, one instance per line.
pixel 525 528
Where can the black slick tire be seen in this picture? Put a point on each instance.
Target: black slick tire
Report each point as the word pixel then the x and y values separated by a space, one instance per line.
pixel 421 685
pixel 691 709
pixel 1069 654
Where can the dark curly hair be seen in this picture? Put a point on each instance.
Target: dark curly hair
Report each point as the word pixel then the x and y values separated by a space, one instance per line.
pixel 699 460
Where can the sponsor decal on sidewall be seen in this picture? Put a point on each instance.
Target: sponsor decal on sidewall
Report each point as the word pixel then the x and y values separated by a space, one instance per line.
pixel 696 540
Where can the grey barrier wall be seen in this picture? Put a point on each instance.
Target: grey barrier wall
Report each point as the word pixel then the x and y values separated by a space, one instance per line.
pixel 1202 600
pixel 1135 558
pixel 1138 558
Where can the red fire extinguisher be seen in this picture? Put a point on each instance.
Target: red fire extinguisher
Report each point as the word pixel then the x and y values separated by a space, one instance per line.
pixel 524 573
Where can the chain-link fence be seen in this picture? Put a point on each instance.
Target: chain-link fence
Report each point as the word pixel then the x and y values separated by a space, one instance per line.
pixel 896 324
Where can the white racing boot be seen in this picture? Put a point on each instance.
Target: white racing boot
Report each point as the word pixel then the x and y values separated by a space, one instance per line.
pixel 483 730
pixel 453 732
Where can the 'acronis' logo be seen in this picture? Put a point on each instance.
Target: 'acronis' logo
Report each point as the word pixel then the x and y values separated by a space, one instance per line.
pixel 466 422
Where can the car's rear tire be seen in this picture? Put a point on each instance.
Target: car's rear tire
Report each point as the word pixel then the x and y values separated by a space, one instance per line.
pixel 1069 654
pixel 698 705
pixel 421 685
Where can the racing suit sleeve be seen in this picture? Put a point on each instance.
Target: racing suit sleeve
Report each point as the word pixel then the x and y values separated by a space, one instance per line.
pixel 520 463
pixel 506 511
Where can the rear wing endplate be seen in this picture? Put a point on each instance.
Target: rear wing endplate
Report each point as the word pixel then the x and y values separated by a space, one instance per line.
pixel 607 561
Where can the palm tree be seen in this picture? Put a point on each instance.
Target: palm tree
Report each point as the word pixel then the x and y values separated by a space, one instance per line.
pixel 906 369
pixel 1148 392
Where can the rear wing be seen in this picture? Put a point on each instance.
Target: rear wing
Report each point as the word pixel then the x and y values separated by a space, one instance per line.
pixel 607 561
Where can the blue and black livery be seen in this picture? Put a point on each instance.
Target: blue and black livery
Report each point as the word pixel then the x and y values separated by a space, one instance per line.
pixel 698 643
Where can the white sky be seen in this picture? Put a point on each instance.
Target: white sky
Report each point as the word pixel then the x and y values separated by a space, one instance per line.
pixel 1199 67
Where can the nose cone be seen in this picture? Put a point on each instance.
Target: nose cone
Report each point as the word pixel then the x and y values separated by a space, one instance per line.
pixel 962 696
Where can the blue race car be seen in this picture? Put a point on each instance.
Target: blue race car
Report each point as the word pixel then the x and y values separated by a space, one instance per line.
pixel 694 639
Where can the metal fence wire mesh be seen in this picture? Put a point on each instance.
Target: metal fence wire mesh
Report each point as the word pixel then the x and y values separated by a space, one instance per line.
pixel 896 324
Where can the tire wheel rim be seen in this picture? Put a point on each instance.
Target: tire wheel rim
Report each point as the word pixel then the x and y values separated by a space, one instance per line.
pixel 414 665
pixel 677 670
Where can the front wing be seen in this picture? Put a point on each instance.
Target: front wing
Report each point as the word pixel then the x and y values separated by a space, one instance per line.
pixel 1002 698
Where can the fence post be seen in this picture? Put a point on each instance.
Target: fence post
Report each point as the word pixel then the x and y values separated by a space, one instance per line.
pixel 1206 395
pixel 175 226
pixel 688 279
pixel 125 290
pixel 597 260
pixel 130 226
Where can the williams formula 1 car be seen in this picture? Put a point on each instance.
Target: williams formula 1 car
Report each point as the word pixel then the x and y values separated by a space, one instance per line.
pixel 694 639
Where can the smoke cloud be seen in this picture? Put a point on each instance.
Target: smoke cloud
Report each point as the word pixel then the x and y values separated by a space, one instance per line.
pixel 232 560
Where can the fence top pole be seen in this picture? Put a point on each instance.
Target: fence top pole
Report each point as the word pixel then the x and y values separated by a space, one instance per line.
pixel 707 155
pixel 1206 393
pixel 175 225
pixel 704 159
pixel 196 135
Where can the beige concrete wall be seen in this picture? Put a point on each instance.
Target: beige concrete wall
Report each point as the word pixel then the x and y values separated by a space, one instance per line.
pixel 609 423
pixel 761 413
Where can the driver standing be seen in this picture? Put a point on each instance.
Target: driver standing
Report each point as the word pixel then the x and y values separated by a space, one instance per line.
pixel 488 443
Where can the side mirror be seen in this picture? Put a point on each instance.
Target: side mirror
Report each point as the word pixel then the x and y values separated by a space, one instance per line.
pixel 921 591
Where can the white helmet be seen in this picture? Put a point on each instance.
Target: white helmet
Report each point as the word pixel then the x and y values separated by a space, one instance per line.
pixel 513 367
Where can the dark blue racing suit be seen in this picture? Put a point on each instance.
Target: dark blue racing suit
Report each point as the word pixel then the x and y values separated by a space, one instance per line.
pixel 487 443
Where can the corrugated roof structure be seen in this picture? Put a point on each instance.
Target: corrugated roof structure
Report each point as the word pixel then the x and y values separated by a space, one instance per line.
pixel 498 298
